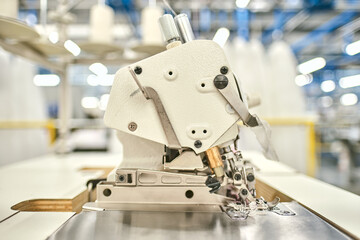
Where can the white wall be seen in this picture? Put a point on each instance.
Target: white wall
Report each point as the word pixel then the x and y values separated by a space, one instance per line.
pixel 20 100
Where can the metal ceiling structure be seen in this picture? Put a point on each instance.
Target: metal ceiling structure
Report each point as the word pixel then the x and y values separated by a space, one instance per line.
pixel 313 28
pixel 300 23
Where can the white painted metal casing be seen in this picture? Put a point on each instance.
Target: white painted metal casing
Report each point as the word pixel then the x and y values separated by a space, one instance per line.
pixel 183 78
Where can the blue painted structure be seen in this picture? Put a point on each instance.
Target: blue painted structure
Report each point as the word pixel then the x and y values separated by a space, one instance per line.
pixel 242 19
pixel 324 29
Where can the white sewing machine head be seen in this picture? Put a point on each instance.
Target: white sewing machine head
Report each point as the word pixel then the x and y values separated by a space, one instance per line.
pixel 181 82
pixel 187 99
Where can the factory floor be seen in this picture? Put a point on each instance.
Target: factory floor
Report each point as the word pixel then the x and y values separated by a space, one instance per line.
pixel 347 178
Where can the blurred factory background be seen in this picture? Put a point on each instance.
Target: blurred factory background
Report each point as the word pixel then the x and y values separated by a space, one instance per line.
pixel 300 57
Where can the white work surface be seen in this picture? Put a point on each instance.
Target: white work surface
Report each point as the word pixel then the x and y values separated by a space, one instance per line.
pixel 59 177
pixel 33 225
pixel 336 205
pixel 266 166
pixel 49 177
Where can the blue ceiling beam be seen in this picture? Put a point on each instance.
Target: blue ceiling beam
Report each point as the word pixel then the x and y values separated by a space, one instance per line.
pixel 343 60
pixel 281 18
pixel 242 19
pixel 324 29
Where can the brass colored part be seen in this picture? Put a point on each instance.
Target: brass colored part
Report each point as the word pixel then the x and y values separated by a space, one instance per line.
pixel 173 44
pixel 53 205
pixel 215 162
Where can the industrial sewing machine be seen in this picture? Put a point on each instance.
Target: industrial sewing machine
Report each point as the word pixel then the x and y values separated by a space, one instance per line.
pixel 197 186
pixel 188 100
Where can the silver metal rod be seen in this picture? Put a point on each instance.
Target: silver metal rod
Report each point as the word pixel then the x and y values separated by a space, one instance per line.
pixel 65 110
pixel 184 27
pixel 43 13
pixel 168 28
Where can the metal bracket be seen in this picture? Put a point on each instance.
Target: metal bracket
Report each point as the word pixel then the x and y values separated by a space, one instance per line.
pixel 150 93
pixel 282 210
pixel 260 128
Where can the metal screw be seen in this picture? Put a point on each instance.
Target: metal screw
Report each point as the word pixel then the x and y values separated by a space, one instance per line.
pixel 121 178
pixel 224 70
pixel 250 177
pixel 198 144
pixel 244 192
pixel 132 126
pixel 138 70
pixel 237 176
pixel 221 81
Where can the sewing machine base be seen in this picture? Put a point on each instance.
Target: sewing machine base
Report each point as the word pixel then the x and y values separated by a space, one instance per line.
pixel 91 225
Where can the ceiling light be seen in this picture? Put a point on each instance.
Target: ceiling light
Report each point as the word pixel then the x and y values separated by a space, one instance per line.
pixel 242 3
pixel 106 80
pixel 221 36
pixel 353 48
pixel 98 68
pixel 348 99
pixel 90 102
pixel 328 86
pixel 46 80
pixel 53 37
pixel 92 80
pixel 350 81
pixel 72 47
pixel 311 65
pixel 104 99
pixel 326 101
pixel 260 5
pixel 302 80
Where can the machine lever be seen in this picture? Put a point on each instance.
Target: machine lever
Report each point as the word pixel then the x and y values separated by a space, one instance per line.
pixel 150 93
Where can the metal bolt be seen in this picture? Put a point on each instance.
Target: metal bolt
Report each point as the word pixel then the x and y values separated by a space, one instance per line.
pixel 224 70
pixel 138 70
pixel 221 81
pixel 132 126
pixel 198 144
pixel 250 177
pixel 244 192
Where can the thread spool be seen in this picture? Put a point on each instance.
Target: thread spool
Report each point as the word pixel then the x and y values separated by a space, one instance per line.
pixel 101 24
pixel 151 34
pixel 9 8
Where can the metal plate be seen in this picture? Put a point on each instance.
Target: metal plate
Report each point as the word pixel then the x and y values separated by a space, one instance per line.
pixel 196 225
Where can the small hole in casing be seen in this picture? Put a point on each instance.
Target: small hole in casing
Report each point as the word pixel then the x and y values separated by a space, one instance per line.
pixel 189 194
pixel 107 192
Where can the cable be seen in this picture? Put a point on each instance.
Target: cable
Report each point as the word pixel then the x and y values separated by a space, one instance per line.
pixel 169 7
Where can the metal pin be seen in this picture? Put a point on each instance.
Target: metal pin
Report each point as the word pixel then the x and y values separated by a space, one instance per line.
pixel 133 74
